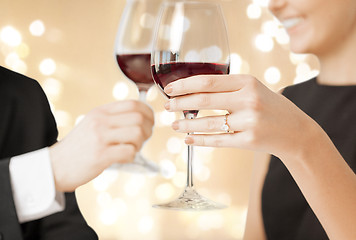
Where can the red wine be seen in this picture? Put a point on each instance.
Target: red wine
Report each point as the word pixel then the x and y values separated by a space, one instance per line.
pixel 163 74
pixel 137 68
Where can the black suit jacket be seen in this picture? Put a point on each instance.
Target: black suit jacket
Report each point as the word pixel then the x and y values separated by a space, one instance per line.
pixel 27 124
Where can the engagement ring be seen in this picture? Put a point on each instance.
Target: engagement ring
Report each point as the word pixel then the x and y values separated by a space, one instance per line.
pixel 225 127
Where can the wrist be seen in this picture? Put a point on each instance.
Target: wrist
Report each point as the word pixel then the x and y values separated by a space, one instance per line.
pixel 305 145
pixel 54 156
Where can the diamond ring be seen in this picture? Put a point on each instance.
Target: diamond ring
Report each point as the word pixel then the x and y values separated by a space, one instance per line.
pixel 225 127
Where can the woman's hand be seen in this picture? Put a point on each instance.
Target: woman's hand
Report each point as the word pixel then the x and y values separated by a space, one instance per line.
pixel 112 133
pixel 260 119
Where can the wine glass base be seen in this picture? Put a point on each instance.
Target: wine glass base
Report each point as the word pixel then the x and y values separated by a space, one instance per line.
pixel 140 165
pixel 191 200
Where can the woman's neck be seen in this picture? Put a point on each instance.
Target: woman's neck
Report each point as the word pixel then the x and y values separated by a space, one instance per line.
pixel 338 67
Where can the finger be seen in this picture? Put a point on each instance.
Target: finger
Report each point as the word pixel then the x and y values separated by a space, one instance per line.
pixel 129 119
pixel 239 121
pixel 237 140
pixel 129 106
pixel 207 83
pixel 120 153
pixel 216 101
pixel 130 135
pixel 203 124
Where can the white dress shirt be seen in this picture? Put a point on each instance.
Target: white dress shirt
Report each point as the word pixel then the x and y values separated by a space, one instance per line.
pixel 33 186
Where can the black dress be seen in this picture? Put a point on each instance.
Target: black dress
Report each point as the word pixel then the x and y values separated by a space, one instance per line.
pixel 286 214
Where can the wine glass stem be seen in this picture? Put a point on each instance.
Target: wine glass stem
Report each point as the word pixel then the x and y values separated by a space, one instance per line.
pixel 142 95
pixel 190 157
pixel 190 167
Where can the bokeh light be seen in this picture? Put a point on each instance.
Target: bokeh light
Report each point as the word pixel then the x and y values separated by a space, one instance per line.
pixel 134 184
pixel 14 62
pixel 11 36
pixel 145 224
pixel 37 28
pixel 272 75
pixel 254 11
pixel 174 145
pixel 47 66
pixel 262 3
pixel 270 28
pixel 179 180
pixel 23 50
pixel 166 118
pixel 52 88
pixel 168 169
pixel 63 118
pixel 164 191
pixel 120 91
pixel 264 43
pixel 235 63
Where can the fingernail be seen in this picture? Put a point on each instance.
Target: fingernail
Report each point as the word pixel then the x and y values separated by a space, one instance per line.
pixel 175 125
pixel 168 89
pixel 167 105
pixel 189 140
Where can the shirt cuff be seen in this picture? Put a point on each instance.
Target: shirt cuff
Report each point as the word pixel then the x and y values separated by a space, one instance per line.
pixel 33 186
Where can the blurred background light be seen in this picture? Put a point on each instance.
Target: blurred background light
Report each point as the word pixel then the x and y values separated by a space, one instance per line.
pixel 174 145
pixel 108 216
pixel 52 88
pixel 262 3
pixel 120 91
pixel 37 28
pixel 282 37
pixel 272 75
pixel 264 43
pixel 164 191
pixel 14 62
pixel 203 174
pixel 145 224
pixel 297 58
pixel 270 28
pixel 152 93
pixel 23 50
pixel 180 179
pixel 104 180
pixel 104 199
pixel 168 169
pixel 63 118
pixel 166 118
pixel 134 184
pixel 10 36
pixel 254 11
pixel 47 66
pixel 235 63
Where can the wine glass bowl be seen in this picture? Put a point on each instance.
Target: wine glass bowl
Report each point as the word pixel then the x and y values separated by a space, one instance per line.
pixel 190 39
pixel 137 68
pixel 134 39
pixel 132 52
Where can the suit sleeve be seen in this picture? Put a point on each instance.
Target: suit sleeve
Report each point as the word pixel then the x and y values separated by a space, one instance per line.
pixel 27 124
pixel 10 228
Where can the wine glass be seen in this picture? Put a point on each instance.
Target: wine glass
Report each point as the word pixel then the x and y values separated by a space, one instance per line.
pixel 133 53
pixel 190 39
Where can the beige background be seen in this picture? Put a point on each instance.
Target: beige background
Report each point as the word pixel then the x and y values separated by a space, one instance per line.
pixel 79 37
